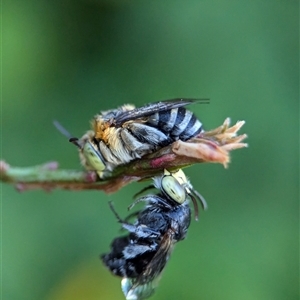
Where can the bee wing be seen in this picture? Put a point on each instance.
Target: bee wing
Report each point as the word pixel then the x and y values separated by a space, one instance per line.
pixel 143 286
pixel 159 260
pixel 152 108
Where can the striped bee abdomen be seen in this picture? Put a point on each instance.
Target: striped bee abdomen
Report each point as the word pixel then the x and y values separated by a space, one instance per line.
pixel 177 123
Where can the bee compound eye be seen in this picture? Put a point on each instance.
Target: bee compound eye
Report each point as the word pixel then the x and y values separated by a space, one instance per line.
pixel 172 188
pixel 93 157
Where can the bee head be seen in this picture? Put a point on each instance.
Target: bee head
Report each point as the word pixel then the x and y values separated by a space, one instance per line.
pixel 177 187
pixel 172 187
pixel 91 157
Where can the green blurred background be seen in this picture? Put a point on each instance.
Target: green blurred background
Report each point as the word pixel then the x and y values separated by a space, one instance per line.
pixel 67 60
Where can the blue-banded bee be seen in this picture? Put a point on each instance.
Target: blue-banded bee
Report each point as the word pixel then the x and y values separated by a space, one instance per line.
pixel 140 256
pixel 121 135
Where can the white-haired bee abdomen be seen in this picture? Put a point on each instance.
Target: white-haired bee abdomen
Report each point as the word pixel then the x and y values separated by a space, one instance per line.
pixel 178 123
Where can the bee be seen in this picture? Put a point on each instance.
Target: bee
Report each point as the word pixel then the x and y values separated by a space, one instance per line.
pixel 140 256
pixel 121 135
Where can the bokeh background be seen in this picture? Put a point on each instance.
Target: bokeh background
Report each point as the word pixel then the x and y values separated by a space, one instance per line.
pixel 67 60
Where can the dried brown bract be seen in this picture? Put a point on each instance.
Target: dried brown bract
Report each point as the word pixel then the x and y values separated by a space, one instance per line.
pixel 213 146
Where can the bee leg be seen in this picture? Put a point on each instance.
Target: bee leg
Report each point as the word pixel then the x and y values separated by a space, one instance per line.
pixel 115 213
pixel 108 155
pixel 133 144
pixel 153 199
pixel 149 187
pixel 142 231
pixel 136 202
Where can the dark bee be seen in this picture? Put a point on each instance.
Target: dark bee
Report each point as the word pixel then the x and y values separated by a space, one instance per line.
pixel 140 257
pixel 121 135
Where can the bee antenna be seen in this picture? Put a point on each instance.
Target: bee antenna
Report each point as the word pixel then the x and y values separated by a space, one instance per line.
pixel 201 199
pixel 149 187
pixel 67 134
pixel 74 141
pixel 195 207
pixel 62 129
